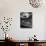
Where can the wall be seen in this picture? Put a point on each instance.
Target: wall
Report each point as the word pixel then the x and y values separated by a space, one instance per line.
pixel 12 8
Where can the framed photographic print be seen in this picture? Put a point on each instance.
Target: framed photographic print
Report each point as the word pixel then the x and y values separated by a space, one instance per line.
pixel 26 19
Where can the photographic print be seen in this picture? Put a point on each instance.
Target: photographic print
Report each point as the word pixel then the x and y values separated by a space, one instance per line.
pixel 26 19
